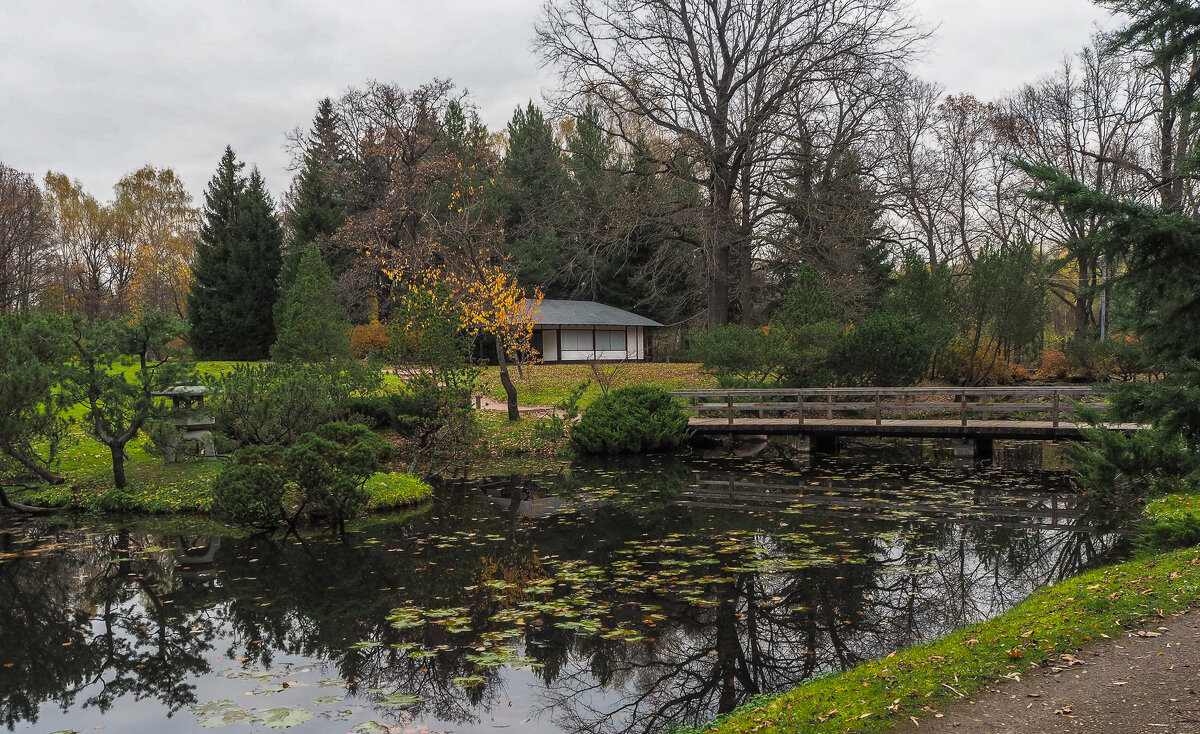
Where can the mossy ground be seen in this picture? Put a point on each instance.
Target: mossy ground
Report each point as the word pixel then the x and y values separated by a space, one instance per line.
pixel 1172 521
pixel 390 491
pixel 917 681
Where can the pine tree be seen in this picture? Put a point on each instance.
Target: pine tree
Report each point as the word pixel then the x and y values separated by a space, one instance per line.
pixel 533 199
pixel 311 320
pixel 236 271
pixel 211 268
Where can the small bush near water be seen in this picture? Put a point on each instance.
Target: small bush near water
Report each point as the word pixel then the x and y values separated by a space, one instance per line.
pixel 324 475
pixel 629 421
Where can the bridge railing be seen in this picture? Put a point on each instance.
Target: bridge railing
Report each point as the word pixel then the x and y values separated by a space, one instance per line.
pixel 1050 403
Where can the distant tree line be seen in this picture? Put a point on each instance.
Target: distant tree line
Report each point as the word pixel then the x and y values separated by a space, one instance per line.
pixel 706 164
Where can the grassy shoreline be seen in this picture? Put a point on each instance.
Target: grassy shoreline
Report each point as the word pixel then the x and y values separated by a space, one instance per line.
pixel 158 488
pixel 1055 621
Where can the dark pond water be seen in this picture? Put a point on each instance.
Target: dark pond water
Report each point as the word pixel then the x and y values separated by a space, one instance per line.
pixel 604 598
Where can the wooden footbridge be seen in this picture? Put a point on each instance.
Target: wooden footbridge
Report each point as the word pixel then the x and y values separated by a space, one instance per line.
pixel 976 415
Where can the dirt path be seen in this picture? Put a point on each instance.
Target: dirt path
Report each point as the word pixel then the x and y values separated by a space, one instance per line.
pixel 486 403
pixel 1135 684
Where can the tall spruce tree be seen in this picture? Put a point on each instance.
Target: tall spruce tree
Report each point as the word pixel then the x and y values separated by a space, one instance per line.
pixel 236 270
pixel 318 206
pixel 311 319
pixel 213 262
pixel 258 256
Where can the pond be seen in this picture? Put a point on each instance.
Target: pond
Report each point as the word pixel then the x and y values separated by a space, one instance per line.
pixel 617 597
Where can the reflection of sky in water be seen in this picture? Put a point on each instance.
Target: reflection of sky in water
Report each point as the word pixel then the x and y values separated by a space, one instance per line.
pixel 727 581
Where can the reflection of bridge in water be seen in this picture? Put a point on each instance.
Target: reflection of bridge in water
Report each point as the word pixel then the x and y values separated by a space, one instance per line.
pixel 1054 511
pixel 975 417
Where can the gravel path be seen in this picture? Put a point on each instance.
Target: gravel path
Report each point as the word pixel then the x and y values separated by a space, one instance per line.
pixel 1146 681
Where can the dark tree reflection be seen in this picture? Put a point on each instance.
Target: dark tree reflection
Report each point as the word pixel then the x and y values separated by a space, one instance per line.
pixel 618 597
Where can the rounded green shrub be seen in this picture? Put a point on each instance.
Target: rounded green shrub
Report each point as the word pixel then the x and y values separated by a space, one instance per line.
pixel 249 488
pixel 629 421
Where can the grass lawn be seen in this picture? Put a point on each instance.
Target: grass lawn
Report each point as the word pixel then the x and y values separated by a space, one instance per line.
pixel 158 488
pixel 153 486
pixel 547 384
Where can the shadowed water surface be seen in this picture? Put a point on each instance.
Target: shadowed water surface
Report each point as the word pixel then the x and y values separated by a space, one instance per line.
pixel 614 597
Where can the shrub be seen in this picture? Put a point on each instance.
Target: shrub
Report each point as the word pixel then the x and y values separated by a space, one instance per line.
pixel 631 420
pixel 1053 364
pixel 739 354
pixel 368 338
pixel 883 349
pixel 962 364
pixel 331 464
pixel 249 488
pixel 267 404
pixel 553 428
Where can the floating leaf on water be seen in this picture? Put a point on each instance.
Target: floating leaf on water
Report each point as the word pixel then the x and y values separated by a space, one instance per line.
pixel 366 645
pixel 328 700
pixel 217 714
pixel 370 727
pixel 468 681
pixel 268 690
pixel 398 700
pixel 283 717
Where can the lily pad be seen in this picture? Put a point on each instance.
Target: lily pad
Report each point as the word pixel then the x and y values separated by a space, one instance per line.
pixel 398 700
pixel 284 718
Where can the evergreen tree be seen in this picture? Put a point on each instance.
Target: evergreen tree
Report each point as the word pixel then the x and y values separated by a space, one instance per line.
pixel 236 271
pixel 312 323
pixel 257 258
pixel 211 268
pixel 533 199
pixel 318 205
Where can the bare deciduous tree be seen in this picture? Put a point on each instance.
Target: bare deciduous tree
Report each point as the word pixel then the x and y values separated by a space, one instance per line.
pixel 25 228
pixel 716 75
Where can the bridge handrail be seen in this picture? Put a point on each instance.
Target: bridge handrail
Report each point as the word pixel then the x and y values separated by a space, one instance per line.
pixel 1048 391
pixel 1057 401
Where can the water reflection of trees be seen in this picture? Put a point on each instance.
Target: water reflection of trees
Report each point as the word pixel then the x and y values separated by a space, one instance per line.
pixel 139 620
pixel 88 627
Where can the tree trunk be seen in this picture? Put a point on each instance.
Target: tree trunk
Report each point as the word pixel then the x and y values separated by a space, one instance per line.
pixel 510 390
pixel 118 464
pixel 40 471
pixel 6 501
pixel 721 233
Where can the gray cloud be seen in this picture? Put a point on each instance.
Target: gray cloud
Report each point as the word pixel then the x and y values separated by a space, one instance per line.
pixel 98 89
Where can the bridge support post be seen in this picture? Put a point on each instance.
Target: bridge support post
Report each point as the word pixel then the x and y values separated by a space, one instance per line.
pixel 974 449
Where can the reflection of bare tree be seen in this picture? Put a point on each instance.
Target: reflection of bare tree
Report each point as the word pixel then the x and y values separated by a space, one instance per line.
pixel 771 631
pixel 86 621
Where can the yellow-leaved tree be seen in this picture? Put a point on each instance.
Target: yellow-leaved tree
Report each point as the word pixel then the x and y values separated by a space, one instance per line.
pixel 460 246
pixel 494 303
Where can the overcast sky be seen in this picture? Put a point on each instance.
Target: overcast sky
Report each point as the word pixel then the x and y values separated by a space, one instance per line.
pixel 96 90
